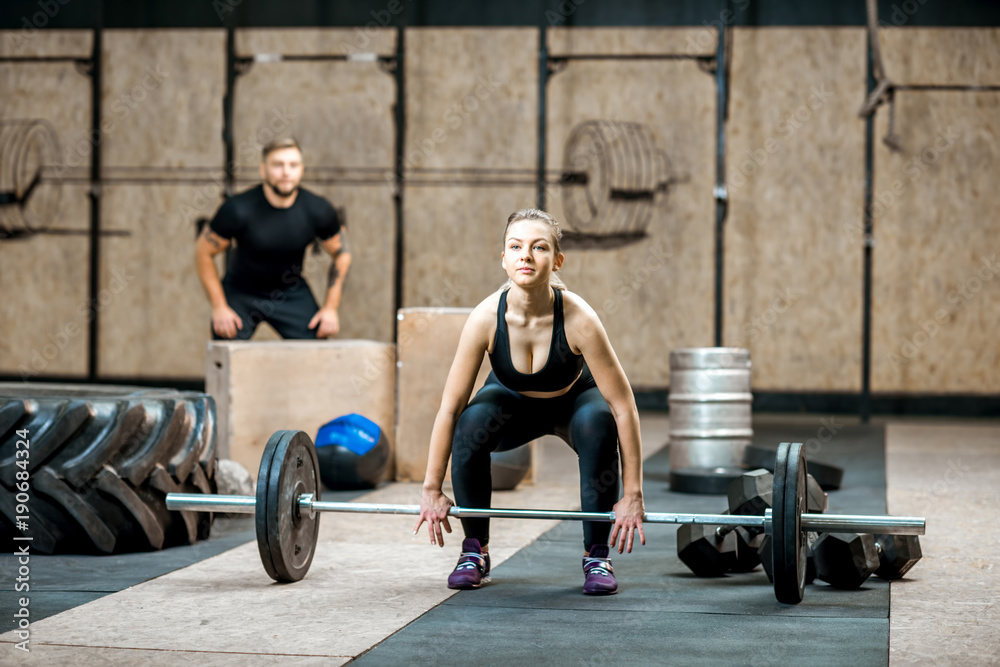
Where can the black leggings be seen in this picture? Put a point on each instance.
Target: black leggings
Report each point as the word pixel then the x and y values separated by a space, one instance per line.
pixel 499 419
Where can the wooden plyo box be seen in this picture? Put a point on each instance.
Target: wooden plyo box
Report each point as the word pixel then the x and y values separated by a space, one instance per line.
pixel 427 341
pixel 261 387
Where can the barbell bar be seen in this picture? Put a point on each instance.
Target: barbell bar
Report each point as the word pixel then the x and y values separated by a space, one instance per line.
pixel 817 523
pixel 287 507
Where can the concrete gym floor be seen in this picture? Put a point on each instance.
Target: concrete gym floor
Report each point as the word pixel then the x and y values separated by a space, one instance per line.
pixel 376 594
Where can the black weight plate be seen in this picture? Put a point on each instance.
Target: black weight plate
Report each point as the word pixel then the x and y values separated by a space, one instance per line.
pixel 260 505
pixel 291 534
pixel 706 481
pixel 788 548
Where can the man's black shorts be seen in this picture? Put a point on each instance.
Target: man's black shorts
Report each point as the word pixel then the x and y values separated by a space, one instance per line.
pixel 288 310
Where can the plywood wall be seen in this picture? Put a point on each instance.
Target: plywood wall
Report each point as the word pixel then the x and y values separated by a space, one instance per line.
pixel 44 312
pixel 163 99
pixel 936 302
pixel 701 41
pixel 942 56
pixel 162 163
pixel 316 41
pixel 471 100
pixel 795 172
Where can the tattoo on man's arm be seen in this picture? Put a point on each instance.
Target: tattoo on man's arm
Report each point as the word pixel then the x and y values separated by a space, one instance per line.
pixel 213 238
pixel 333 272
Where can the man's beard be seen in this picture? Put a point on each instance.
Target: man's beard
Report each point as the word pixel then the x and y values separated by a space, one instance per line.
pixel 283 193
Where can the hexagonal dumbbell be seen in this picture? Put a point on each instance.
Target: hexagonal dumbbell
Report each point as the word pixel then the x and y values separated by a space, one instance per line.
pixel 747 549
pixel 845 560
pixel 896 555
pixel 747 541
pixel 817 500
pixel 750 493
pixel 704 550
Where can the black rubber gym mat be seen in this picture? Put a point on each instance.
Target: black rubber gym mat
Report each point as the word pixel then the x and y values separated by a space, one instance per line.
pixel 534 610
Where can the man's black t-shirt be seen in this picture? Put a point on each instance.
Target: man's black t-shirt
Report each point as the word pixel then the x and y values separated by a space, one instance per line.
pixel 271 242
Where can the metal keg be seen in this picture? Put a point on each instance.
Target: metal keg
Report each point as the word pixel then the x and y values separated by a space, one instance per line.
pixel 710 420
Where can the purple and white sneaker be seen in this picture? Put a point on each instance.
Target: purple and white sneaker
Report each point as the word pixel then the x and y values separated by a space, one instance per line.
pixel 600 575
pixel 473 569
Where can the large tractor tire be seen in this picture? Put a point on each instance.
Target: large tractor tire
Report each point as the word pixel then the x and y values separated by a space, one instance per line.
pixel 99 461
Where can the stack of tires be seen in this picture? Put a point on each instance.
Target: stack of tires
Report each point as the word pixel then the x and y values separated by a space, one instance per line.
pixel 98 461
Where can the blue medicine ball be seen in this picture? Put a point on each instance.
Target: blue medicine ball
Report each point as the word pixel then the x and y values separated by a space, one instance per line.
pixel 353 453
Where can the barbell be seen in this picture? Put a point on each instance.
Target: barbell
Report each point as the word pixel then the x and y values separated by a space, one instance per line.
pixel 287 507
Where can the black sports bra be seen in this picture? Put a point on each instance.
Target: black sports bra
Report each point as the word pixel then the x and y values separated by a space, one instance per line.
pixel 561 368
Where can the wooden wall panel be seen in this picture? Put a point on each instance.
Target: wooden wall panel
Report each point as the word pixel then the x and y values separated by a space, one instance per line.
pixel 936 56
pixel 340 112
pixel 43 277
pixel 795 175
pixel 162 103
pixel 471 100
pixel 25 43
pixel 632 41
pixel 44 313
pixel 316 41
pixel 936 302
